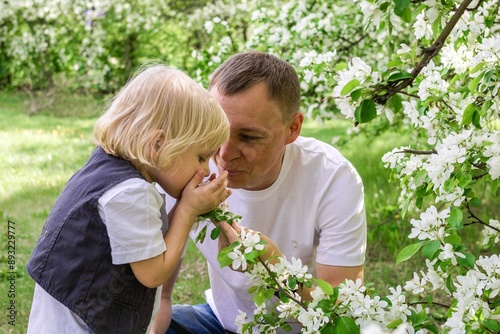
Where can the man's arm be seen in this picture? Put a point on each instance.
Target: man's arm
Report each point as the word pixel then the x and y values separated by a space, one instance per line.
pixel 336 274
pixel 331 274
pixel 164 316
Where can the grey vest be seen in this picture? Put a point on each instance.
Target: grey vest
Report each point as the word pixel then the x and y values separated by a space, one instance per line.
pixel 72 258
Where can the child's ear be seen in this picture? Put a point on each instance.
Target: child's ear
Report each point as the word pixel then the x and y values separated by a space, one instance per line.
pixel 156 141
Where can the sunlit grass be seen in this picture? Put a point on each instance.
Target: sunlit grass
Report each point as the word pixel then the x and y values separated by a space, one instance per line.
pixel 40 153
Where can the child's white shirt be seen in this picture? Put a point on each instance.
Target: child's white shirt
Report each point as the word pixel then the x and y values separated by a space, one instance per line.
pixel 131 212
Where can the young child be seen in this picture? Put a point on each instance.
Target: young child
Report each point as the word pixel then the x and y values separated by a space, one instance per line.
pixel 105 248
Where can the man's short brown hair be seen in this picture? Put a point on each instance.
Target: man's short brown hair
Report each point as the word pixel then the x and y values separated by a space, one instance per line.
pixel 244 70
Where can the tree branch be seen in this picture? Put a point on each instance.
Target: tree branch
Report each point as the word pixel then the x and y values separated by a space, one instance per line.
pixel 417 152
pixel 429 53
pixel 477 219
pixel 432 303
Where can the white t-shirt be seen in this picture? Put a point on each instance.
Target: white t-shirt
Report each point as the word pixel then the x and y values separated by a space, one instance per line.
pixel 314 211
pixel 136 221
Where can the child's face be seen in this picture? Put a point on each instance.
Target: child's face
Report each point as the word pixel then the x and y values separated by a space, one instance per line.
pixel 174 180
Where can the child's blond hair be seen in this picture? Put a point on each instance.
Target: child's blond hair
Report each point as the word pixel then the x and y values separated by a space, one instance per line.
pixel 158 115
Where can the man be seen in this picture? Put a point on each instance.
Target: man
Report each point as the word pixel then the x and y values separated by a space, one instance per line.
pixel 299 192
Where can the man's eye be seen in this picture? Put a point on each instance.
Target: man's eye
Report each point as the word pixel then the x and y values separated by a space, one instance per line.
pixel 248 138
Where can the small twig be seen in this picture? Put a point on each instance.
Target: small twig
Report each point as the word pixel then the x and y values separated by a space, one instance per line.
pixel 388 219
pixel 479 176
pixel 417 152
pixel 477 219
pixel 433 303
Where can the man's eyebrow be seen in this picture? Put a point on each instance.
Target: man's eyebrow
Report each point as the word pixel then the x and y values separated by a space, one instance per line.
pixel 252 129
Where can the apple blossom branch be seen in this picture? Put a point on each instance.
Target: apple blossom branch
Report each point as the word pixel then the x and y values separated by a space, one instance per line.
pixel 429 53
pixel 278 287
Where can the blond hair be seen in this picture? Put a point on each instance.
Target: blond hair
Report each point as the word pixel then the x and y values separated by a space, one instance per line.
pixel 158 115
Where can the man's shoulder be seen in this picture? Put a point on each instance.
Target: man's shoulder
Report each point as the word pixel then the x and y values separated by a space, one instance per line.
pixel 307 147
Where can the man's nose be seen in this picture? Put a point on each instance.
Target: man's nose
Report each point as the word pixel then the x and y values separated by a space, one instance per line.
pixel 229 151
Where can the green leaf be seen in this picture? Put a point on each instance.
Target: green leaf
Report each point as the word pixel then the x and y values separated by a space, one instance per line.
pixel 269 293
pixel 252 256
pixel 223 258
pixel 395 62
pixel 366 111
pixel 394 323
pixel 383 7
pixel 328 328
pixel 201 235
pixel 215 232
pixel 477 68
pixel 349 87
pixel 453 239
pixel 430 249
pixel 399 76
pixel 259 298
pixel 485 108
pixel 400 6
pixel 325 286
pixel 292 282
pixel 476 120
pixel 488 75
pixel 341 66
pixel 345 325
pixel 436 27
pixel 406 16
pixel 356 94
pixel 269 318
pixel 404 208
pixel 421 176
pixel 456 218
pixel 465 180
pixel 492 325
pixel 475 201
pixel 495 184
pixel 418 202
pixel 395 104
pixel 468 113
pixel 407 252
pixel 473 83
pixel 449 284
pixel 468 261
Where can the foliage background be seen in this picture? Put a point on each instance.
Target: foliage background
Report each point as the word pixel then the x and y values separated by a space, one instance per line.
pixel 60 60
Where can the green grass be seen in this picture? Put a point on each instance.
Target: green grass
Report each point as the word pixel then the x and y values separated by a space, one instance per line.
pixel 41 152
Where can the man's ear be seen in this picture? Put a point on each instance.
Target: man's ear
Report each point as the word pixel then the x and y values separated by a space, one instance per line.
pixel 294 126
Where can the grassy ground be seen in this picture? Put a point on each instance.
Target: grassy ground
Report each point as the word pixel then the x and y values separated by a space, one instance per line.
pixel 42 151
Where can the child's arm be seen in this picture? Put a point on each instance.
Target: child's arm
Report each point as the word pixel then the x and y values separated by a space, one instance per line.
pixel 164 315
pixel 194 201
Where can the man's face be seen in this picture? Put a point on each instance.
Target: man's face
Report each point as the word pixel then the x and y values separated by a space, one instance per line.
pixel 254 151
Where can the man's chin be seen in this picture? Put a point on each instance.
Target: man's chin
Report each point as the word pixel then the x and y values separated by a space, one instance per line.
pixel 235 182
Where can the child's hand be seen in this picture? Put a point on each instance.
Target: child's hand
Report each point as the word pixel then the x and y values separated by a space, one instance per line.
pixel 204 198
